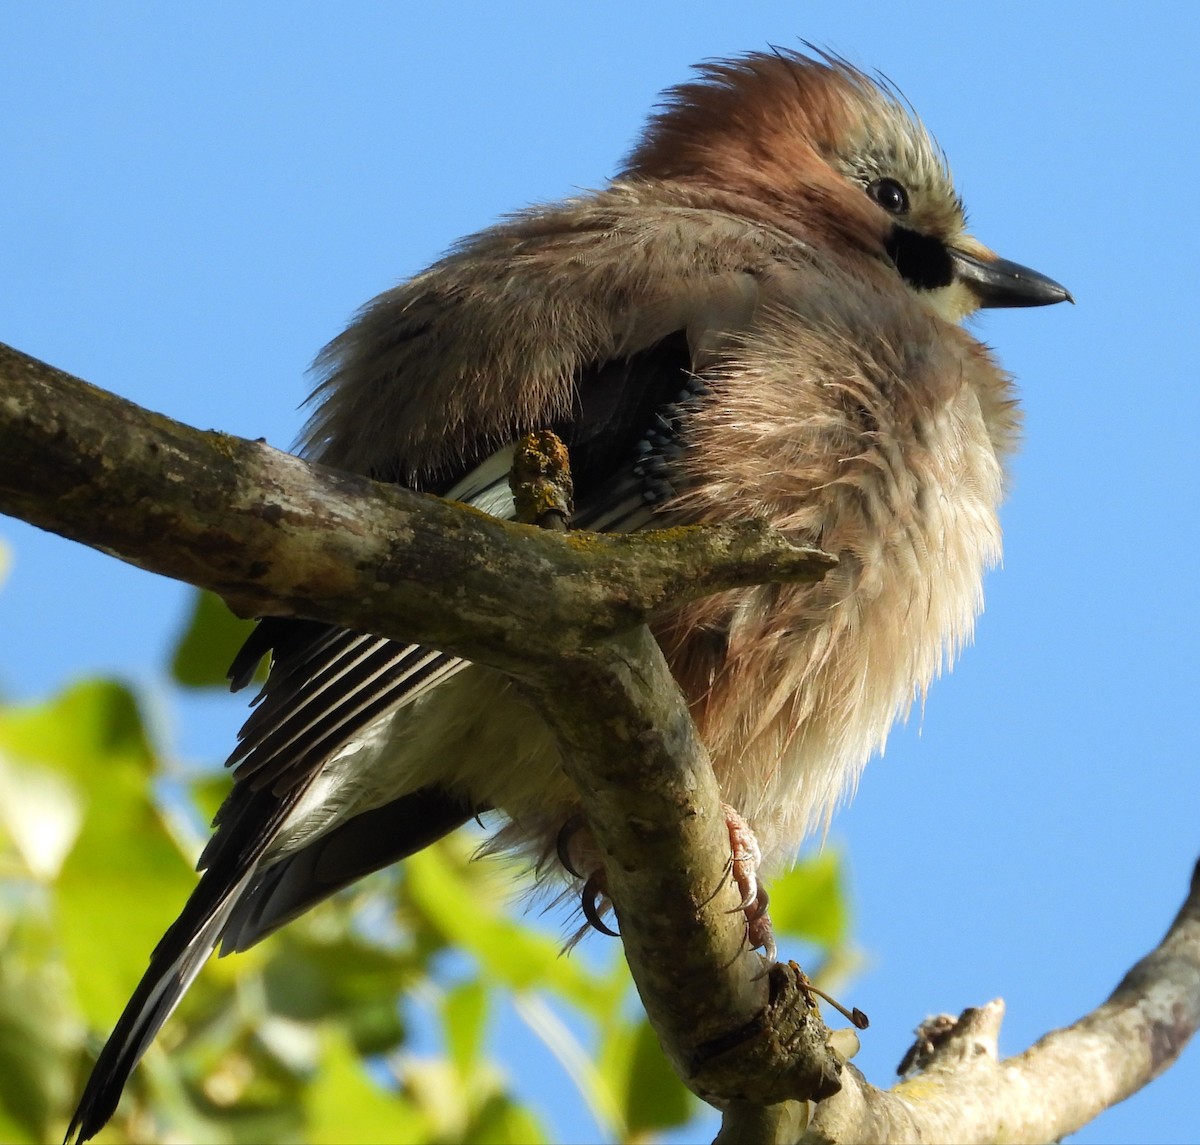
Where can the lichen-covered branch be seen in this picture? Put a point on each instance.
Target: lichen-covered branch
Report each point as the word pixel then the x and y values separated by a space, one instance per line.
pixel 275 535
pixel 964 1093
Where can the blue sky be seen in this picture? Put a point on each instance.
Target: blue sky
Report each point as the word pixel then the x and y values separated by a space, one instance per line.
pixel 197 197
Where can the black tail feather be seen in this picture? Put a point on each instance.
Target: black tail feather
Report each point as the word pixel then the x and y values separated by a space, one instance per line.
pixel 176 961
pixel 368 842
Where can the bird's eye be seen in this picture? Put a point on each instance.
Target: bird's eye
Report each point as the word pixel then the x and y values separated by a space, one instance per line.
pixel 890 195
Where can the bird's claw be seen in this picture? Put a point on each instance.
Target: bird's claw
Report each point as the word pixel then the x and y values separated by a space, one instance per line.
pixel 593 890
pixel 745 857
pixel 562 844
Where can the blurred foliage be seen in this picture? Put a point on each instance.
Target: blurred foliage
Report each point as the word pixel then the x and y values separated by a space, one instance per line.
pixel 211 635
pixel 373 1018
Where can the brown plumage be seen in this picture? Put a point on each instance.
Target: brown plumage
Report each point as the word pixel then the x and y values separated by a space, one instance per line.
pixel 757 317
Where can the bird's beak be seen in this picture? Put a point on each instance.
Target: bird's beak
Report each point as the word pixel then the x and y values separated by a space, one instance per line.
pixel 995 281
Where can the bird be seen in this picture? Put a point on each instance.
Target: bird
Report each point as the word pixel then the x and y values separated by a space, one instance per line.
pixel 761 315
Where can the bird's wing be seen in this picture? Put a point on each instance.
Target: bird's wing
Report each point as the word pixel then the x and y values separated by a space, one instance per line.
pixel 335 683
pixel 327 685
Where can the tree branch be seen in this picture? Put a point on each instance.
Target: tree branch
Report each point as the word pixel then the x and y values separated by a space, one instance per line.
pixel 564 613
pixel 275 535
pixel 1069 1077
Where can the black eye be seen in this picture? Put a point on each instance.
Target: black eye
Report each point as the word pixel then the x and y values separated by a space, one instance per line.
pixel 890 195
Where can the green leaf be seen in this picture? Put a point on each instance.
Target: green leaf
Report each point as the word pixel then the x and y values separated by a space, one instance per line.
pixel 14 1133
pixel 343 1104
pixel 85 727
pixel 343 978
pixel 465 1014
pixel 42 813
pixel 656 1098
pixel 208 644
pixel 501 1121
pixel 124 879
pixel 34 1063
pixel 461 901
pixel 808 902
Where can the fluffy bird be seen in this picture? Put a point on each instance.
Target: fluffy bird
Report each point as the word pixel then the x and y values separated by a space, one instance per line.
pixel 760 315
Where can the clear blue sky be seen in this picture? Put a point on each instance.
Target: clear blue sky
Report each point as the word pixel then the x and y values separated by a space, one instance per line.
pixel 196 197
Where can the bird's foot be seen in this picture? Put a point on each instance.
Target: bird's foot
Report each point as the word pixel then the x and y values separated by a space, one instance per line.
pixel 744 861
pixel 577 852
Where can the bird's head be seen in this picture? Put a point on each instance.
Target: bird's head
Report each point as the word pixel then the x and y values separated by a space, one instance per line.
pixel 813 145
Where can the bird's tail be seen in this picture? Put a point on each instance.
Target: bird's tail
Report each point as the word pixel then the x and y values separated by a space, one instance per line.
pixel 174 964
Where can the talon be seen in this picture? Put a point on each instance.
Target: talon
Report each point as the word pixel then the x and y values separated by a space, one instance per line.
pixel 562 844
pixel 754 904
pixel 747 883
pixel 758 909
pixel 746 904
pixel 761 936
pixel 592 890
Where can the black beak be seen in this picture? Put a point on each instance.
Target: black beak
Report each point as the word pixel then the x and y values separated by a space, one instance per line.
pixel 998 282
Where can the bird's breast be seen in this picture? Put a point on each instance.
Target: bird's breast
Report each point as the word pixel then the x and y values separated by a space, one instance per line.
pixel 885 453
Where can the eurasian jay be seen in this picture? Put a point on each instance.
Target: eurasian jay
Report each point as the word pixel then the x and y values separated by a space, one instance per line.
pixel 759 316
